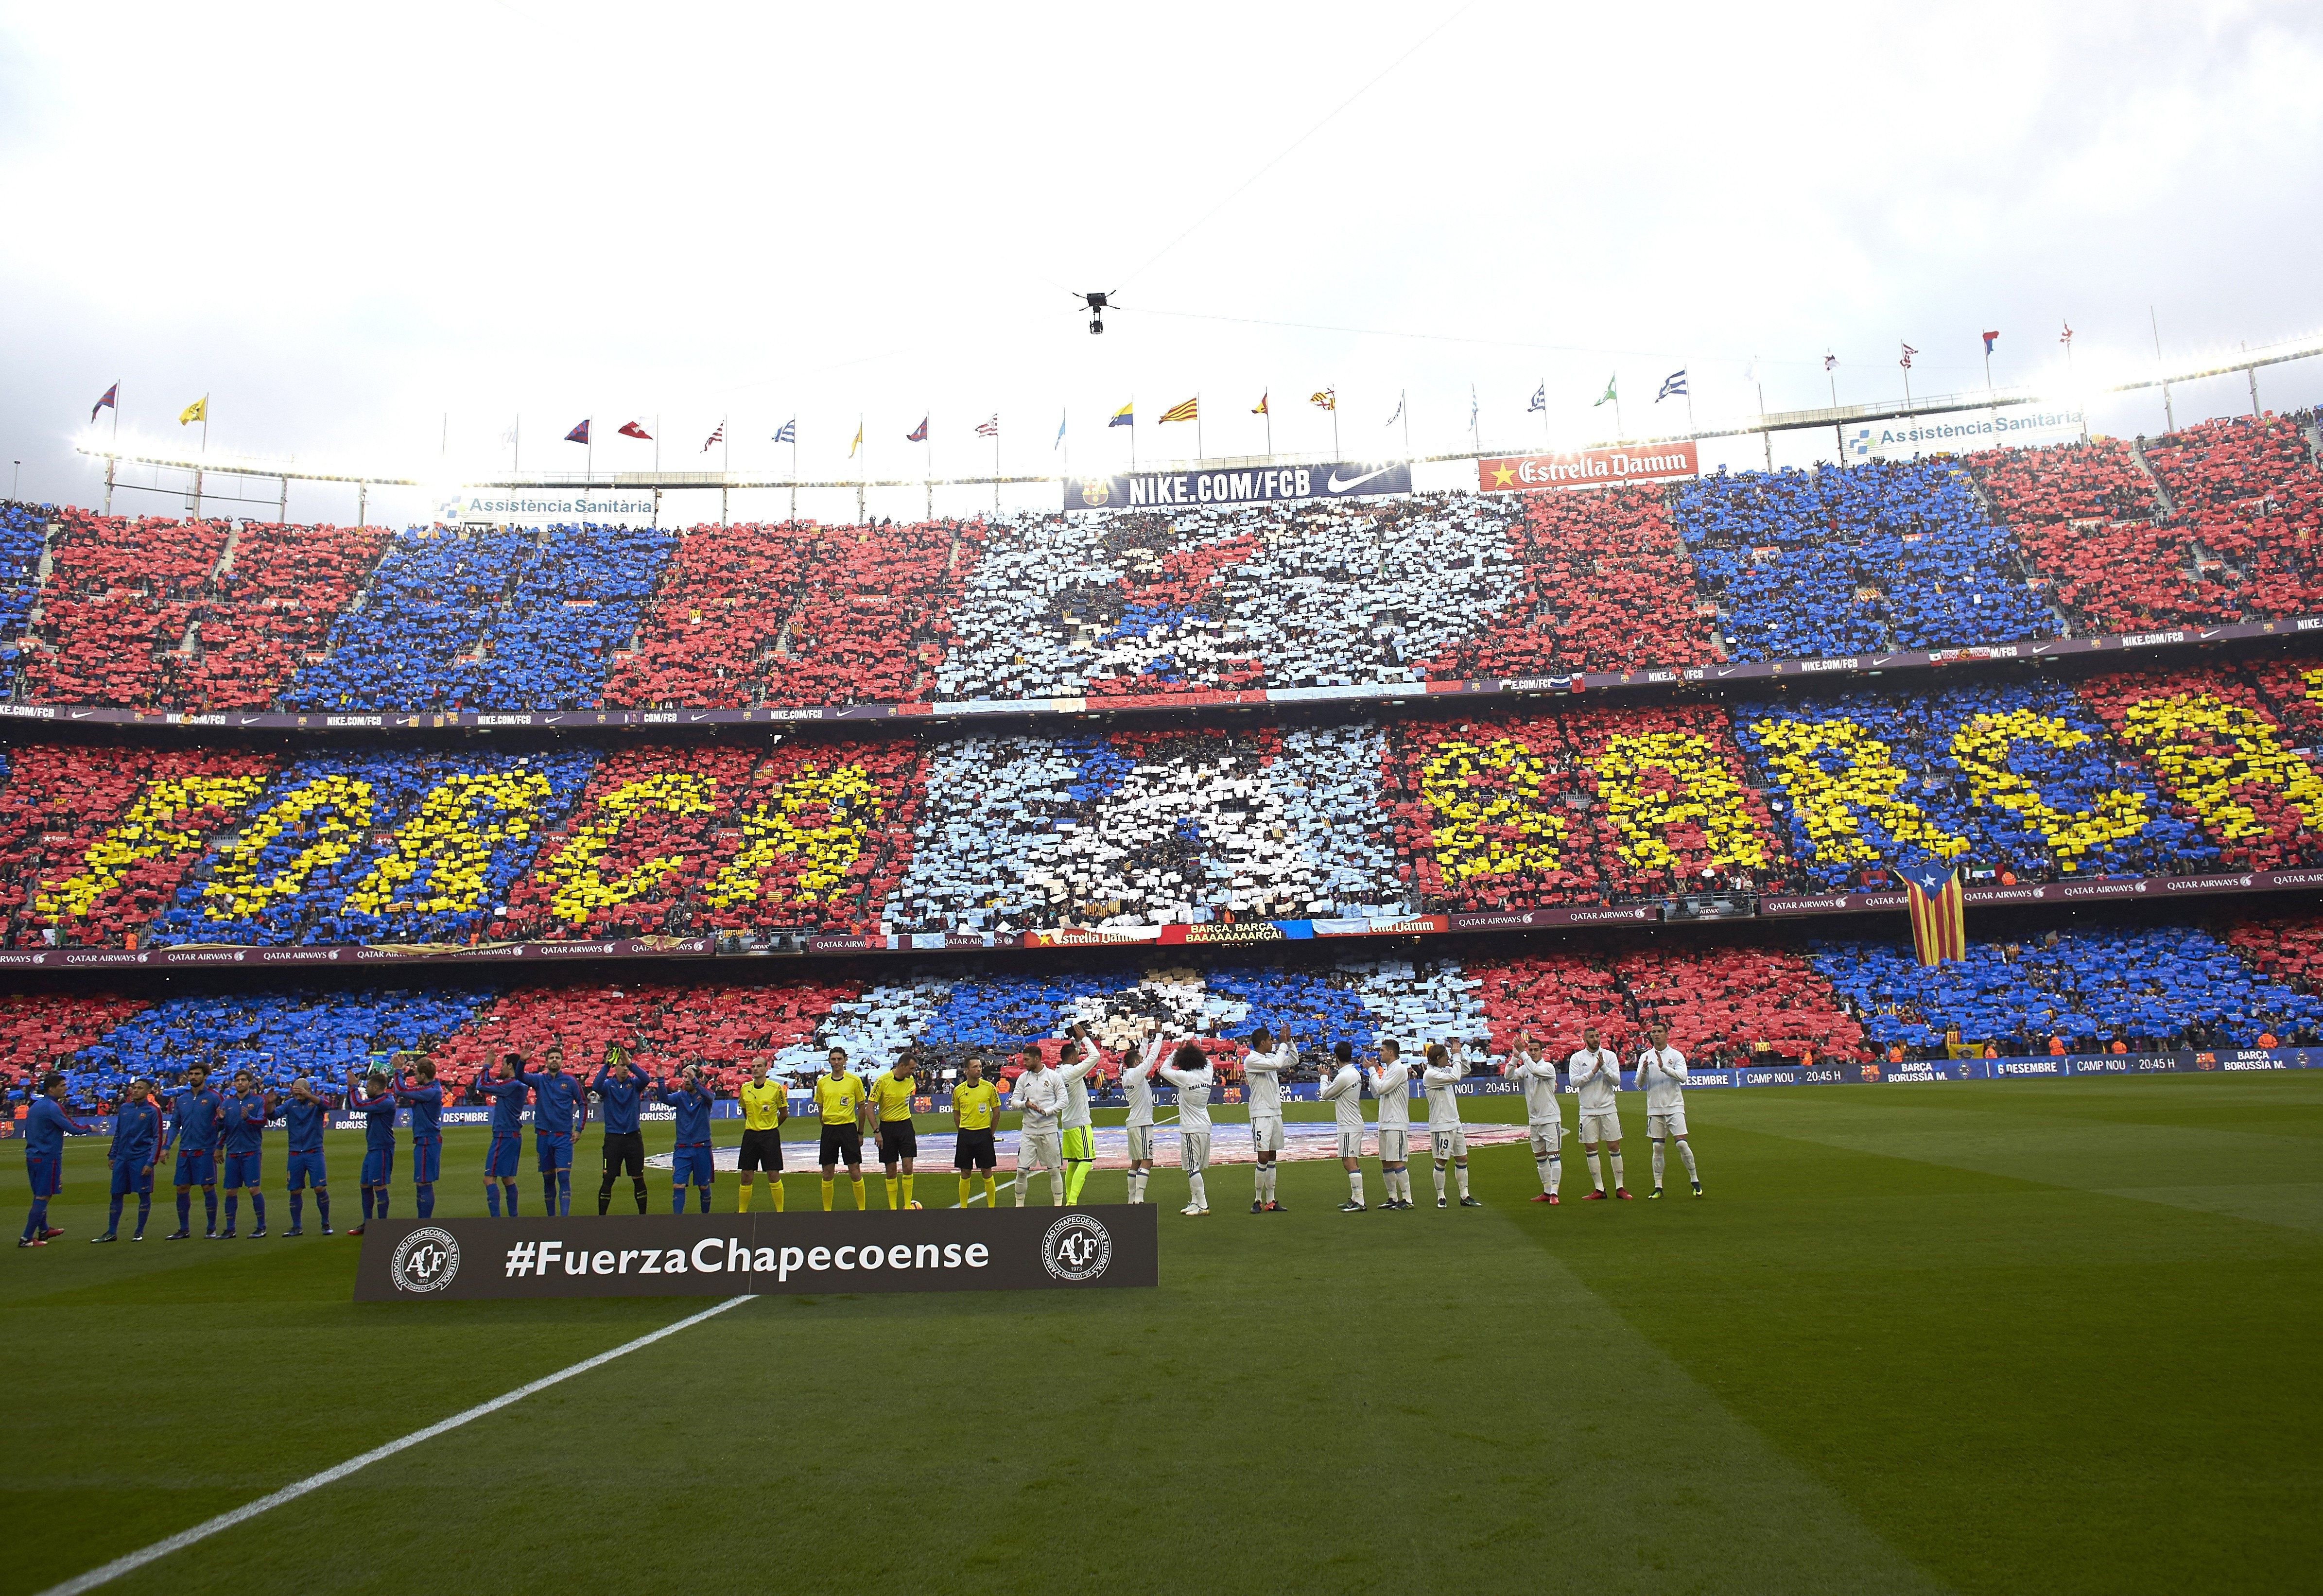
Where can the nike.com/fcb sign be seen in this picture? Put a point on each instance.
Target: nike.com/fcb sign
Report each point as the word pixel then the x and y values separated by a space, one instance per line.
pixel 1588 468
pixel 1269 484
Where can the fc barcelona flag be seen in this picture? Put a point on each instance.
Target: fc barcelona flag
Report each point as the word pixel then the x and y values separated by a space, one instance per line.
pixel 1938 931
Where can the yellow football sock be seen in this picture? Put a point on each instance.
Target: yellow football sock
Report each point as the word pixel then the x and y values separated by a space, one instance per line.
pixel 774 1185
pixel 991 1193
pixel 743 1205
pixel 908 1191
pixel 967 1190
pixel 891 1184
pixel 826 1196
pixel 857 1182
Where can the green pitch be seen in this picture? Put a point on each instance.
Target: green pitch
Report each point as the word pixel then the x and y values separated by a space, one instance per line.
pixel 2052 1337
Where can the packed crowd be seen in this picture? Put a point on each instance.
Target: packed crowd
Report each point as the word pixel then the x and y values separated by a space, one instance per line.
pixel 2216 522
pixel 2206 769
pixel 2241 983
pixel 1838 562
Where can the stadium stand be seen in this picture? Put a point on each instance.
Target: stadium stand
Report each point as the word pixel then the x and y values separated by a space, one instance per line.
pixel 1834 562
pixel 2020 781
pixel 1605 586
pixel 269 609
pixel 875 614
pixel 1843 999
pixel 24 532
pixel 2248 495
pixel 488 618
pixel 111 624
pixel 716 624
pixel 822 834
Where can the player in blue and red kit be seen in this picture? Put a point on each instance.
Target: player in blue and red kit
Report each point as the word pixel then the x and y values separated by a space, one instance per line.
pixel 308 1117
pixel 46 1126
pixel 507 1090
pixel 197 1117
pixel 246 1113
pixel 426 1101
pixel 379 1141
pixel 136 1148
pixel 560 1106
pixel 622 1091
pixel 693 1162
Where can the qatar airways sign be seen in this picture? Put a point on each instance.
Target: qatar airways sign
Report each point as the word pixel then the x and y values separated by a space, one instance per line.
pixel 1589 468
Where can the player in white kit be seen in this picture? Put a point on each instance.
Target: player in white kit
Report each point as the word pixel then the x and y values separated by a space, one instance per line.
pixel 1595 1074
pixel 1041 1094
pixel 1543 1118
pixel 1343 1089
pixel 1077 1138
pixel 1448 1140
pixel 1390 1083
pixel 1661 1071
pixel 1137 1086
pixel 1189 1071
pixel 1262 1067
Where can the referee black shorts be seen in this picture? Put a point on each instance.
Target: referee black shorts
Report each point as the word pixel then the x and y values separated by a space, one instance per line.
pixel 625 1151
pixel 842 1143
pixel 761 1150
pixel 897 1141
pixel 972 1149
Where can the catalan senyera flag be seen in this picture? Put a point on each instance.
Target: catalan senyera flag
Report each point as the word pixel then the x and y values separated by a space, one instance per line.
pixel 199 410
pixel 1188 412
pixel 1939 927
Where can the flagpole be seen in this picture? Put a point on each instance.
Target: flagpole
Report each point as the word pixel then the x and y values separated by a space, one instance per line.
pixel 794 467
pixel 206 454
pixel 995 465
pixel 1765 437
pixel 1334 423
pixel 1403 405
pixel 1200 455
pixel 110 459
pixel 1475 431
pixel 1133 434
pixel 862 466
pixel 1545 439
pixel 516 439
pixel 928 461
pixel 1267 400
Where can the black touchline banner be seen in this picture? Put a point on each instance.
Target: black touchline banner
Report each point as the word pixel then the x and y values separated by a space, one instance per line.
pixel 760 1254
pixel 1237 485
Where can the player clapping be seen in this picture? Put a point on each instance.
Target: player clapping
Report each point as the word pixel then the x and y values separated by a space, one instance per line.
pixel 1661 1071
pixel 1595 1073
pixel 1344 1091
pixel 1263 1067
pixel 426 1102
pixel 1448 1137
pixel 379 1143
pixel 691 1162
pixel 1392 1084
pixel 620 1093
pixel 506 1088
pixel 306 1116
pixel 1137 1086
pixel 1189 1071
pixel 1543 1118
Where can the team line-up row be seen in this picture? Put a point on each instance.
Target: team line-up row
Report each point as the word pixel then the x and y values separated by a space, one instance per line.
pixel 218 1137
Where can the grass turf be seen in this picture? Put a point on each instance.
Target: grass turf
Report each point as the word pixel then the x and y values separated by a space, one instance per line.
pixel 1997 1337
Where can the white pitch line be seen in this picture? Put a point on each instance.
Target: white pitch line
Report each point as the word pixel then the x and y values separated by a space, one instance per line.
pixel 203 1531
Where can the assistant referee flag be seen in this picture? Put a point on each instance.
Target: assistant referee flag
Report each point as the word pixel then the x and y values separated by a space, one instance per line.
pixel 1939 928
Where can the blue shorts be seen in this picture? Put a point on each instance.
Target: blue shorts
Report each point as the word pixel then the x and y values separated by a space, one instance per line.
pixel 132 1178
pixel 47 1174
pixel 305 1167
pixel 693 1168
pixel 197 1168
pixel 555 1152
pixel 379 1165
pixel 241 1170
pixel 499 1159
pixel 427 1159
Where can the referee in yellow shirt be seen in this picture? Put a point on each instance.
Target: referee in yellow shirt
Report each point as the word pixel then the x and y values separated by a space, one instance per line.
pixel 899 1141
pixel 839 1098
pixel 765 1104
pixel 973 1102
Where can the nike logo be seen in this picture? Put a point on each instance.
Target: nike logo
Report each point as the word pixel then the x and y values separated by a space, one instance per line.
pixel 1724 671
pixel 2212 633
pixel 1336 486
pixel 2041 649
pixel 697 716
pixel 1883 658
pixel 82 714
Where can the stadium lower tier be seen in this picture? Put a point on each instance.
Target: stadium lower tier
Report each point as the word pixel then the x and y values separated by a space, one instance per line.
pixel 2243 983
pixel 2216 523
pixel 2200 771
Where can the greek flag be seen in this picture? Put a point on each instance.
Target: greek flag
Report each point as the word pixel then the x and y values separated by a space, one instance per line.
pixel 789 434
pixel 1673 384
pixel 1539 399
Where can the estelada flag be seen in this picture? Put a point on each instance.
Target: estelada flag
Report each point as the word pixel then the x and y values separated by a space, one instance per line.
pixel 1939 925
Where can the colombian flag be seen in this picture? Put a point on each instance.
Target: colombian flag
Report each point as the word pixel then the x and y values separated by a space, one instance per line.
pixel 1939 930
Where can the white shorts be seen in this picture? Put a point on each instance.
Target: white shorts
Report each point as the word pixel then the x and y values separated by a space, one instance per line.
pixel 1546 1134
pixel 1451 1143
pixel 1266 1133
pixel 1658 1125
pixel 1394 1142
pixel 1194 1151
pixel 1041 1150
pixel 1141 1143
pixel 1350 1144
pixel 1601 1127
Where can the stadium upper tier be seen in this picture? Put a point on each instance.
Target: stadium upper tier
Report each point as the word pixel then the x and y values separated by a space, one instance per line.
pixel 2201 772
pixel 2146 989
pixel 2215 525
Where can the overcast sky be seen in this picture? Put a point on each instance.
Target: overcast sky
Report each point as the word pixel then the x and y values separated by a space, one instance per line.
pixel 348 224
